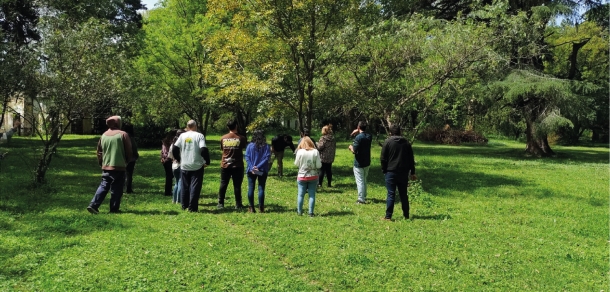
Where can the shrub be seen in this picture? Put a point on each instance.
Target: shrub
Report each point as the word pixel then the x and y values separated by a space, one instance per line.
pixel 149 135
pixel 451 136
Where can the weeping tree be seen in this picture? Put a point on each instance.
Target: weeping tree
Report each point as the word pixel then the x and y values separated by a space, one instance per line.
pixel 542 101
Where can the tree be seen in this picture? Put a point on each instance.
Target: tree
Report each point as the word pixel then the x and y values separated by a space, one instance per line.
pixel 581 53
pixel 79 72
pixel 18 20
pixel 538 98
pixel 176 62
pixel 415 66
pixel 304 29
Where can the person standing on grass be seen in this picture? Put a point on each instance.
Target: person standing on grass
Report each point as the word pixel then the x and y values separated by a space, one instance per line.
pixel 327 147
pixel 176 196
pixel 128 128
pixel 308 161
pixel 232 146
pixel 113 154
pixel 398 166
pixel 166 161
pixel 191 151
pixel 278 145
pixel 361 148
pixel 6 136
pixel 258 154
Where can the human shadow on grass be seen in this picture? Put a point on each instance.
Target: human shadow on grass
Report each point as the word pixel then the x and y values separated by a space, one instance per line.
pixel 336 213
pixel 146 212
pixel 563 154
pixel 432 217
pixel 440 181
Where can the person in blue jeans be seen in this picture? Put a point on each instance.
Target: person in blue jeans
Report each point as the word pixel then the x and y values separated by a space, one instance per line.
pixel 176 197
pixel 258 154
pixel 309 163
pixel 398 166
pixel 361 148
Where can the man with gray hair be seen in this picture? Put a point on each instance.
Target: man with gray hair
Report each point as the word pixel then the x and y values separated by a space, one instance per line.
pixel 190 150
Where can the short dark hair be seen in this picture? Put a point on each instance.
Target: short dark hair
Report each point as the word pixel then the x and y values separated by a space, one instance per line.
pixel 306 132
pixel 362 125
pixel 232 124
pixel 395 130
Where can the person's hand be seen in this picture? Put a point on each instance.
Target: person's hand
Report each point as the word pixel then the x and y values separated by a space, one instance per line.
pixel 413 177
pixel 355 132
pixel 351 148
pixel 16 124
pixel 206 165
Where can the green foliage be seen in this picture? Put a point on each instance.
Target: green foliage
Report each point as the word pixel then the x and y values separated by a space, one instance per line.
pixel 175 63
pixel 420 64
pixel 484 218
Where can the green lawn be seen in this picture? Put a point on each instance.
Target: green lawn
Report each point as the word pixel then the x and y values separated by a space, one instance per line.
pixel 485 218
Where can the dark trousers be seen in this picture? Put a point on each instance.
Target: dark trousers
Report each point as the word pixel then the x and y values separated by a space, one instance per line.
pixel 169 177
pixel 129 176
pixel 113 181
pixel 191 182
pixel 326 170
pixel 279 156
pixel 262 179
pixel 238 177
pixel 400 181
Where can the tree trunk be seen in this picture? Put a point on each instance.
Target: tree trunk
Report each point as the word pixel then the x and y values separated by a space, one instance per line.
pixel 241 121
pixel 534 145
pixel 206 122
pixel 4 105
pixel 50 147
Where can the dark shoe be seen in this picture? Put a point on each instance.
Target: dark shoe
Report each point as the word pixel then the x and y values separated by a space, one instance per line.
pixel 220 206
pixel 93 210
pixel 360 202
pixel 386 219
pixel 115 211
pixel 251 210
pixel 311 215
pixel 261 209
pixel 240 207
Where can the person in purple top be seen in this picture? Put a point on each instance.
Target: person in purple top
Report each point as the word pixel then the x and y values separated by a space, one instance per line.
pixel 258 154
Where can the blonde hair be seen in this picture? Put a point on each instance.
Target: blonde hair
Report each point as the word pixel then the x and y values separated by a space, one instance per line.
pixel 306 144
pixel 327 130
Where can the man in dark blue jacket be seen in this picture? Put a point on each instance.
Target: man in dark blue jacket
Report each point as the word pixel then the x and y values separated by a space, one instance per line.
pixel 398 166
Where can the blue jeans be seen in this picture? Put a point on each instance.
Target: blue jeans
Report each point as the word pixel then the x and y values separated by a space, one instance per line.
pixel 191 183
pixel 361 173
pixel 400 181
pixel 262 179
pixel 177 198
pixel 113 181
pixel 310 187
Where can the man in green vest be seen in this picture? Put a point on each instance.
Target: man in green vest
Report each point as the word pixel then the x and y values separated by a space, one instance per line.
pixel 113 154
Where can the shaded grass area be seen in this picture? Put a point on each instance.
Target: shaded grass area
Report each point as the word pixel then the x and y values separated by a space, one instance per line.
pixel 484 218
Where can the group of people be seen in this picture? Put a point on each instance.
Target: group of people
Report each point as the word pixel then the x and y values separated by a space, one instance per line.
pixel 185 156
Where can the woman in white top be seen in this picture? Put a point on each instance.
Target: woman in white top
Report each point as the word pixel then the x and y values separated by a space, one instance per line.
pixel 308 161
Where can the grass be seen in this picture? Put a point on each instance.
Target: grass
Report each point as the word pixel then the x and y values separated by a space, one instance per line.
pixel 485 218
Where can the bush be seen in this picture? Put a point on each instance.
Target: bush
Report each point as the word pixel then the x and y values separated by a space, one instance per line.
pixel 149 135
pixel 451 136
